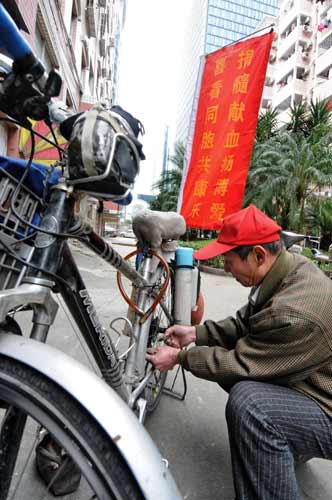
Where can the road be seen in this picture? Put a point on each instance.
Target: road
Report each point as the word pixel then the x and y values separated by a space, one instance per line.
pixel 190 434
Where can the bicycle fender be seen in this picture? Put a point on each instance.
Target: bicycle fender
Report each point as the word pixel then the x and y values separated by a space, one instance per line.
pixel 102 402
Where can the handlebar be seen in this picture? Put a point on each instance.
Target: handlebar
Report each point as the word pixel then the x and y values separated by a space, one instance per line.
pixel 27 89
pixel 11 39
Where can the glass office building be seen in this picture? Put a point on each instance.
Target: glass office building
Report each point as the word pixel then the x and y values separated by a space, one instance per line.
pixel 227 21
pixel 212 24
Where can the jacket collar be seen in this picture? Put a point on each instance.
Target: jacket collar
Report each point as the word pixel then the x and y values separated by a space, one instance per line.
pixel 274 278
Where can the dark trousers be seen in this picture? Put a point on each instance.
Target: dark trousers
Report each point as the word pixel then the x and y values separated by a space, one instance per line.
pixel 268 426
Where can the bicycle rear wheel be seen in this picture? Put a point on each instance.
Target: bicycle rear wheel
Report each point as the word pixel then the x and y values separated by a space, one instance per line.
pixel 160 321
pixel 29 402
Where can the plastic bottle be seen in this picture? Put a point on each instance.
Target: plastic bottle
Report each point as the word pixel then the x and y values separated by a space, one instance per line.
pixel 183 285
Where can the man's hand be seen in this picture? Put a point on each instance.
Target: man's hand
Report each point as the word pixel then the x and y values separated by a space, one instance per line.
pixel 163 358
pixel 179 336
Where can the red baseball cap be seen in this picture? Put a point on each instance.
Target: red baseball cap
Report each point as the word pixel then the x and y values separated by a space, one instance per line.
pixel 249 226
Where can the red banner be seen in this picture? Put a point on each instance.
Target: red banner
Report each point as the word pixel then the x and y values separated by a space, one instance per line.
pixel 230 95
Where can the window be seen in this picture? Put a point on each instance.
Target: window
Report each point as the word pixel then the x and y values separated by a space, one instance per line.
pixel 41 50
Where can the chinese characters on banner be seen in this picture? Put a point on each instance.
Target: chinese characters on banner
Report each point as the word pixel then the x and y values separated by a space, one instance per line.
pixel 226 120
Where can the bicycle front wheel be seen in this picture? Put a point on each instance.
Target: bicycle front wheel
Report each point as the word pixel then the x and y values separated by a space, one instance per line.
pixel 32 404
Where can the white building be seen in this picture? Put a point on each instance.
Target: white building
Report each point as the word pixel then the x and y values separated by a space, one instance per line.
pixel 301 57
pixel 80 39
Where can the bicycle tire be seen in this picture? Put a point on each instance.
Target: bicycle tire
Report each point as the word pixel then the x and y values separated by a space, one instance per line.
pixel 105 475
pixel 154 389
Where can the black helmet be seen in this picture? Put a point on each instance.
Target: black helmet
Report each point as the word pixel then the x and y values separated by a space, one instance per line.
pixel 103 152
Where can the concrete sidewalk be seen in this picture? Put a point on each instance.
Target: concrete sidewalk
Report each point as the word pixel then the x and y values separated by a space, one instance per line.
pixel 193 434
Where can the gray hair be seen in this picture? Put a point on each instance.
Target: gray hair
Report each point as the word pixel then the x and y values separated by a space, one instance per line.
pixel 274 247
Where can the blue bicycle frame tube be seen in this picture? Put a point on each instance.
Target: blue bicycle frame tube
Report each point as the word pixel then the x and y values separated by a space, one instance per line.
pixel 11 39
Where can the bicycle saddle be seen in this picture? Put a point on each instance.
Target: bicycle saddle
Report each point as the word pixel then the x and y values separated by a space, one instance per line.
pixel 289 238
pixel 153 228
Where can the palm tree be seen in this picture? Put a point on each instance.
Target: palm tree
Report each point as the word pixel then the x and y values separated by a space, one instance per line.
pixel 298 117
pixel 170 182
pixel 308 121
pixel 286 173
pixel 267 125
pixel 319 114
pixel 319 215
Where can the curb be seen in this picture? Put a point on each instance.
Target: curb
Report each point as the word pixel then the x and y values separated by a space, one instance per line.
pixel 214 270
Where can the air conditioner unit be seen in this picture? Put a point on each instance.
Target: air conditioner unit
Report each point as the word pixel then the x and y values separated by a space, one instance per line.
pixel 306 72
pixel 272 58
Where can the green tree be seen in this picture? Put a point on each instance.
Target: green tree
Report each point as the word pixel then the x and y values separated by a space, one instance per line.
pixel 298 119
pixel 319 115
pixel 286 171
pixel 319 217
pixel 267 125
pixel 287 167
pixel 169 182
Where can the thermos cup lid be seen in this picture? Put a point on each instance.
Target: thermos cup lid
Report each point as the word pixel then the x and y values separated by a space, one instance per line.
pixel 184 257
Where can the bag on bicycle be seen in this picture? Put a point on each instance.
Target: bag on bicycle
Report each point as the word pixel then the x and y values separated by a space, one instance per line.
pixel 103 152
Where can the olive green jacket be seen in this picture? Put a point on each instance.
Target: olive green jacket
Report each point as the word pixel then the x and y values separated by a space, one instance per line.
pixel 284 338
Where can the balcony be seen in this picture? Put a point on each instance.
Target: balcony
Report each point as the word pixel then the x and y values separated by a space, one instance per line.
pixel 323 36
pixel 91 13
pixel 306 31
pixel 299 87
pixel 296 7
pixel 323 90
pixel 283 118
pixel 85 52
pixel 325 7
pixel 295 61
pixel 282 94
pixel 103 20
pixel 102 47
pixel 268 92
pixel 265 103
pixel 288 42
pixel 295 86
pixel 286 67
pixel 77 7
pixel 324 62
pixel 270 72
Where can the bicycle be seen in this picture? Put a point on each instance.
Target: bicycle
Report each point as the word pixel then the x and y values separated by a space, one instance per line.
pixel 41 387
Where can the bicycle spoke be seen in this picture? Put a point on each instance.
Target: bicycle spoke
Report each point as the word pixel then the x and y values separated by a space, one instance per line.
pixel 70 456
pixel 25 467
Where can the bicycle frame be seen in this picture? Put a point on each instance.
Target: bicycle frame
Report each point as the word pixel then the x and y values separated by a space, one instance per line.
pixel 54 254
